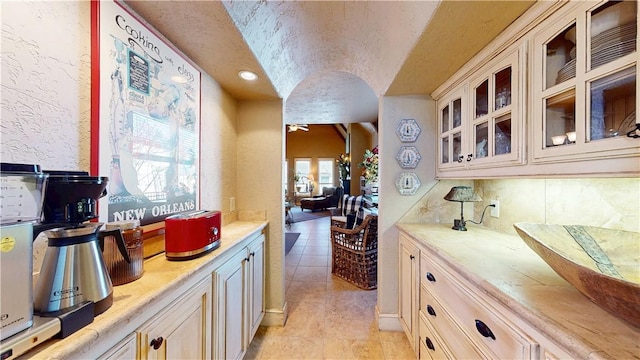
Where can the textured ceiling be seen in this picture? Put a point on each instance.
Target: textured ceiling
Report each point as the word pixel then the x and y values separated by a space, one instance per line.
pixel 330 60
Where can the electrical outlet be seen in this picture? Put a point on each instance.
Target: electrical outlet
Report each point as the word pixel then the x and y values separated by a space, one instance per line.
pixel 495 210
pixel 232 203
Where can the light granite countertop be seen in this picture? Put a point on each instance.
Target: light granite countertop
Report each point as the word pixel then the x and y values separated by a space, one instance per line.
pixel 138 301
pixel 507 270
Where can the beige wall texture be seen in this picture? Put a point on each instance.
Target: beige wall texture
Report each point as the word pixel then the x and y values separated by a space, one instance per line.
pixel 46 92
pixel 259 183
pixel 393 205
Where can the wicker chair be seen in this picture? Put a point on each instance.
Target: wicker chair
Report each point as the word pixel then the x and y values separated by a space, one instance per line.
pixel 349 205
pixel 355 253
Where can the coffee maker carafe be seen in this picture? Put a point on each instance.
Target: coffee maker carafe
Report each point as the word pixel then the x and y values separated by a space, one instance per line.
pixel 73 270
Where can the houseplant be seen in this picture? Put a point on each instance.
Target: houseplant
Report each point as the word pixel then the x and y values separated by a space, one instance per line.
pixel 343 162
pixel 370 165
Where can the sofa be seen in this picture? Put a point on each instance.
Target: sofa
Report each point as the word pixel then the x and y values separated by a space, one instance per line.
pixel 329 198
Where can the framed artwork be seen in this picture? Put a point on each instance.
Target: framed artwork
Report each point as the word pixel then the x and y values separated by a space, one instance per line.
pixel 408 157
pixel 408 130
pixel 145 118
pixel 407 183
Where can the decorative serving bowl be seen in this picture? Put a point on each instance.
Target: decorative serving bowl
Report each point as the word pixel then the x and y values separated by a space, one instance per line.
pixel 603 264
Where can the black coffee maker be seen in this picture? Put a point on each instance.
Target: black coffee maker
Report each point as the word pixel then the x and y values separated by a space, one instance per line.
pixel 72 196
pixel 73 270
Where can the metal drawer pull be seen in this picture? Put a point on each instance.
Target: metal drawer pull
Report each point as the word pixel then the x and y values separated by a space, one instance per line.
pixel 156 343
pixel 430 277
pixel 429 344
pixel 430 310
pixel 484 330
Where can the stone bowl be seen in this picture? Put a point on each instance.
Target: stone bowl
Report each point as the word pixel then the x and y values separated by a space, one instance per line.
pixel 603 264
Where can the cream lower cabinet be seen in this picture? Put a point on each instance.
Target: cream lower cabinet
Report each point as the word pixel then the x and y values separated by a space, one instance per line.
pixel 470 325
pixel 239 300
pixel 181 331
pixel 255 297
pixel 447 317
pixel 409 266
pixel 124 350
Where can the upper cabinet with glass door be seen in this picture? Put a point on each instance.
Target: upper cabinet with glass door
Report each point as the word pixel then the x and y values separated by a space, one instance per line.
pixel 585 83
pixel 496 124
pixel 452 109
pixel 480 122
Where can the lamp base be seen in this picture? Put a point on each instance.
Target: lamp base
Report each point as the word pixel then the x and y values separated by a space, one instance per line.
pixel 459 225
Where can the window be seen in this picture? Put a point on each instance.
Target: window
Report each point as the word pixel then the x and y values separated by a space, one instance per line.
pixel 302 169
pixel 325 172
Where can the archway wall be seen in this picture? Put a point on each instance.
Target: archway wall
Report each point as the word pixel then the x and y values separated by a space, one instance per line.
pixel 393 205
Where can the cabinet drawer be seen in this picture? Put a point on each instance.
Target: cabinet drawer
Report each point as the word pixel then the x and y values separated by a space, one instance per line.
pixel 442 322
pixel 430 345
pixel 477 317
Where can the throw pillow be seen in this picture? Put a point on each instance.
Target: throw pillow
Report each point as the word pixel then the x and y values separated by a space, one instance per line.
pixel 353 220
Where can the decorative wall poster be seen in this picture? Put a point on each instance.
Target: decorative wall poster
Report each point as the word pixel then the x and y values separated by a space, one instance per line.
pixel 145 119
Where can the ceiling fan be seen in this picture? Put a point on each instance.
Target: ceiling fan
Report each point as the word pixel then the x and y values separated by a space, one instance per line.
pixel 296 127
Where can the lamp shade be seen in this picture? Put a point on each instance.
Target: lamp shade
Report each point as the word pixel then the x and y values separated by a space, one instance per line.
pixel 310 177
pixel 462 194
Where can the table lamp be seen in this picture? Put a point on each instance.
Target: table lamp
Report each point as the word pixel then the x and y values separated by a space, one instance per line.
pixel 461 194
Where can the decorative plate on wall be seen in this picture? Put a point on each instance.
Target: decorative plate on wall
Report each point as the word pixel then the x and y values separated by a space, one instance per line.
pixel 408 157
pixel 407 183
pixel 408 130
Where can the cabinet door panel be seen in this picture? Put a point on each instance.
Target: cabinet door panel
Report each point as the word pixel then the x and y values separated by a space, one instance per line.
pixel 125 350
pixel 256 285
pixel 452 111
pixel 584 93
pixel 182 330
pixel 229 309
pixel 185 341
pixel 409 257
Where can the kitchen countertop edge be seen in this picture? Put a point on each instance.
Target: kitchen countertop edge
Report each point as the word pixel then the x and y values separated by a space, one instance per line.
pixel 135 303
pixel 563 333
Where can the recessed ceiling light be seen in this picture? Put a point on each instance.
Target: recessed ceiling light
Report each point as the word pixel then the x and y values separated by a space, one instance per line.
pixel 248 75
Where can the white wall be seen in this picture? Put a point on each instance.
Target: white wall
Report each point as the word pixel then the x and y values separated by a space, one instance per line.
pixel 393 205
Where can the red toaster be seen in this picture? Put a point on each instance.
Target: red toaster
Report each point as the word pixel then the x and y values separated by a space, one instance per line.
pixel 191 234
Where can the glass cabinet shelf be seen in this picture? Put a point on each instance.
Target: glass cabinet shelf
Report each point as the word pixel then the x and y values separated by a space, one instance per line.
pixel 585 97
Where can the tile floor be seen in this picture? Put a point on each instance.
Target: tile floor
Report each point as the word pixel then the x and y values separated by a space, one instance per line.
pixel 328 318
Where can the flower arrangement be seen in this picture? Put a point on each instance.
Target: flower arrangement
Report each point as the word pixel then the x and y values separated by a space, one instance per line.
pixel 370 165
pixel 344 166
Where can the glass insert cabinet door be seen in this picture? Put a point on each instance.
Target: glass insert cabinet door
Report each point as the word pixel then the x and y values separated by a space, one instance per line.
pixel 492 129
pixel 494 123
pixel 450 123
pixel 586 97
